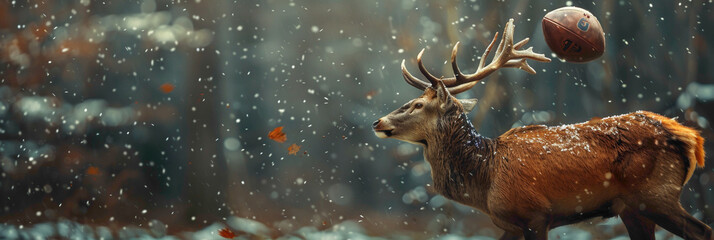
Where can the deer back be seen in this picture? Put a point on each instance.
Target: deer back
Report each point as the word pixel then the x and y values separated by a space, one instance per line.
pixel 601 158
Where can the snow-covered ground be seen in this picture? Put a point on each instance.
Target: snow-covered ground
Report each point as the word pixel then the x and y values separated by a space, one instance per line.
pixel 250 229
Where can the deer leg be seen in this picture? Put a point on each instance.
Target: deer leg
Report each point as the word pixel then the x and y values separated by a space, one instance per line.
pixel 679 222
pixel 536 234
pixel 638 227
pixel 663 208
pixel 537 229
pixel 511 235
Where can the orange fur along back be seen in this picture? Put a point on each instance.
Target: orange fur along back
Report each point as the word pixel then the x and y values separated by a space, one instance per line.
pixel 694 143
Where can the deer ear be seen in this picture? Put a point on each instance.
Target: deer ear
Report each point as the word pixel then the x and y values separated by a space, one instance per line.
pixel 468 104
pixel 442 93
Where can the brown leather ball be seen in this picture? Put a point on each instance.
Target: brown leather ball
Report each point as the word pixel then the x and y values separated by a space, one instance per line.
pixel 574 34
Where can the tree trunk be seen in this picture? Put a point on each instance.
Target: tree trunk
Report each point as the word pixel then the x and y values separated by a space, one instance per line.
pixel 205 164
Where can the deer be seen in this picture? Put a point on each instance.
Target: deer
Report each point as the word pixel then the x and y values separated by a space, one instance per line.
pixel 535 178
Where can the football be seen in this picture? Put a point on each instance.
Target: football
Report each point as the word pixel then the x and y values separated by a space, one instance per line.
pixel 574 34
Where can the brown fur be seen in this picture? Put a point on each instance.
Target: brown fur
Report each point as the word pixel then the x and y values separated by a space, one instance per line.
pixel 460 169
pixel 534 178
pixel 690 137
pixel 565 174
pixel 579 168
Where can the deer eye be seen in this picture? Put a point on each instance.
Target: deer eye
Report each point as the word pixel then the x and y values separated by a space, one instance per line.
pixel 418 106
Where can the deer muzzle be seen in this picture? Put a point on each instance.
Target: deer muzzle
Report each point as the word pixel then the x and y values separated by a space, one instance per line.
pixel 380 129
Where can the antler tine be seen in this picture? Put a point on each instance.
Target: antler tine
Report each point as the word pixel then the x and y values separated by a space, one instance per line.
pixel 499 50
pixel 520 63
pixel 488 51
pixel 461 88
pixel 520 44
pixel 507 55
pixel 459 81
pixel 515 53
pixel 459 78
pixel 529 54
pixel 433 80
pixel 505 47
pixel 465 84
pixel 411 80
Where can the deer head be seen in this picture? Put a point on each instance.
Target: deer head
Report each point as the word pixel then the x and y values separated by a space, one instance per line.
pixel 418 118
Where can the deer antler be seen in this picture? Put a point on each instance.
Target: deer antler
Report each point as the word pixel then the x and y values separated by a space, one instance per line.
pixel 508 55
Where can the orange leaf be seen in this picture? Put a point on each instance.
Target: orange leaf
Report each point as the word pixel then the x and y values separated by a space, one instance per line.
pixel 93 171
pixel 278 135
pixel 226 233
pixel 167 87
pixel 293 149
pixel 370 94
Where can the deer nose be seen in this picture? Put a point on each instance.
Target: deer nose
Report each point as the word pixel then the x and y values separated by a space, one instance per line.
pixel 375 123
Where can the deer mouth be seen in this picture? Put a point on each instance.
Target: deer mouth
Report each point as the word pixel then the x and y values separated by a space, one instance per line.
pixel 383 133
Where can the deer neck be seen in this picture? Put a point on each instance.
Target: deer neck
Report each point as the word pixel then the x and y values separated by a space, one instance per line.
pixel 461 161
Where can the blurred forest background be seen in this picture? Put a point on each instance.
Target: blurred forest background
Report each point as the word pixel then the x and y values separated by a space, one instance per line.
pixel 154 115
